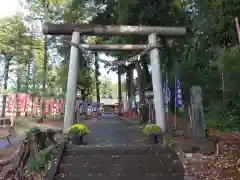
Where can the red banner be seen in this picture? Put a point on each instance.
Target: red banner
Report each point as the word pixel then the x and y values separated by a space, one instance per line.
pixel 58 106
pixel 35 105
pixel 11 102
pixel 24 104
pixel 44 103
pixel 51 105
pixel 27 103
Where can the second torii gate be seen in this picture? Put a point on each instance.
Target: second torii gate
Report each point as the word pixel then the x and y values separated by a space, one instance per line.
pixel 86 29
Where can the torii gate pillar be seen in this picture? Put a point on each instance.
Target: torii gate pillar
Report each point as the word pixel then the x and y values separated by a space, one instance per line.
pixel 157 83
pixel 72 83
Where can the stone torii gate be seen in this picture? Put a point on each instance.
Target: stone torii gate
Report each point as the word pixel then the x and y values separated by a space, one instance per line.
pixel 76 30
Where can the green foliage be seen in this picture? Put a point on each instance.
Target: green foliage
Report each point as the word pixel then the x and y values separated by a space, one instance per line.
pixel 78 129
pixel 33 130
pixel 39 163
pixel 152 129
pixel 105 89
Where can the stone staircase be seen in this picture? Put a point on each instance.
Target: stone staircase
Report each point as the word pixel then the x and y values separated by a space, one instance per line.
pixel 119 163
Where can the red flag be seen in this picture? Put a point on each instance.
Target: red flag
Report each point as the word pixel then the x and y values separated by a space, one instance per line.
pixel 21 102
pixel 11 102
pixel 51 104
pixel 238 29
pixel 46 107
pixel 35 105
pixel 27 102
pixel 57 106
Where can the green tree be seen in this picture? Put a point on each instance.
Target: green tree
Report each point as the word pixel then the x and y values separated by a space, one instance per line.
pixel 105 88
pixel 14 47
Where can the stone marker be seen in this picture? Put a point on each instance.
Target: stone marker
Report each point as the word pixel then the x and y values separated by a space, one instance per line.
pixel 198 127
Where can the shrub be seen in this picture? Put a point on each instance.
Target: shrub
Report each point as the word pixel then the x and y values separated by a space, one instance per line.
pixel 79 129
pixel 152 129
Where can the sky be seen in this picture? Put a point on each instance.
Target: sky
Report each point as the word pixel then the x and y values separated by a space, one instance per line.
pixel 10 7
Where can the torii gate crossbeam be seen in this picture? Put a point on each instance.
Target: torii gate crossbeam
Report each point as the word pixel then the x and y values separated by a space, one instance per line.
pixel 111 30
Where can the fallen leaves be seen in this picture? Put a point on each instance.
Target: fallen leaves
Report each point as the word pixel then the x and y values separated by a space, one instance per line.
pixel 224 165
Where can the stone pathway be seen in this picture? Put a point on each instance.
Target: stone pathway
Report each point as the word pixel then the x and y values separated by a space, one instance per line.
pixel 117 150
pixel 110 130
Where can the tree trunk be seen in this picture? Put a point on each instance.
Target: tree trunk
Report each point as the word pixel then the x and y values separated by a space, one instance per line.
pixel 83 95
pixel 45 76
pixel 96 77
pixel 17 96
pixel 119 91
pixel 5 84
pixel 128 90
pixel 142 103
pixel 146 74
pixel 34 84
pixel 28 78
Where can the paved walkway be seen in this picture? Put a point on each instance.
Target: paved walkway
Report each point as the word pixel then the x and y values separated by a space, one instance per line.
pixel 110 130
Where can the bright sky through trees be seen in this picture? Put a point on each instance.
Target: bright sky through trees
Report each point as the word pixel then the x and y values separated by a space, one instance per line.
pixel 10 7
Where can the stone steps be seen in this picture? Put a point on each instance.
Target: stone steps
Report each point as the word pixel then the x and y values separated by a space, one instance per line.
pixel 122 162
pixel 118 177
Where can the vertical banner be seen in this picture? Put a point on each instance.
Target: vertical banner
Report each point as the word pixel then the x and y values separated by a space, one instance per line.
pixel 178 95
pixel 27 103
pixel 35 106
pixel 167 92
pixel 51 105
pixel 21 102
pixel 11 102
pixel 46 106
pixel 57 106
pixel 178 99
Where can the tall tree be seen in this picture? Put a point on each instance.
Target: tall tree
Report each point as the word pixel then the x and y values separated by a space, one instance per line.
pixel 105 88
pixel 13 47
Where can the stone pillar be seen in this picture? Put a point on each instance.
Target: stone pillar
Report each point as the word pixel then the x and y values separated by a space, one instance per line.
pixel 198 127
pixel 157 83
pixel 72 83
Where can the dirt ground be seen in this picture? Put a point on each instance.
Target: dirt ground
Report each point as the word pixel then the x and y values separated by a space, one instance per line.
pixel 223 164
pixel 24 124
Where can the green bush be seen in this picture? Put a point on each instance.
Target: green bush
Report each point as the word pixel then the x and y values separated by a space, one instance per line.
pixel 45 157
pixel 79 129
pixel 151 129
pixel 33 130
pixel 225 120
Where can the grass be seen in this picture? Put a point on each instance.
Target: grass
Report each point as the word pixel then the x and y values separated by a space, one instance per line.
pixel 2 137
